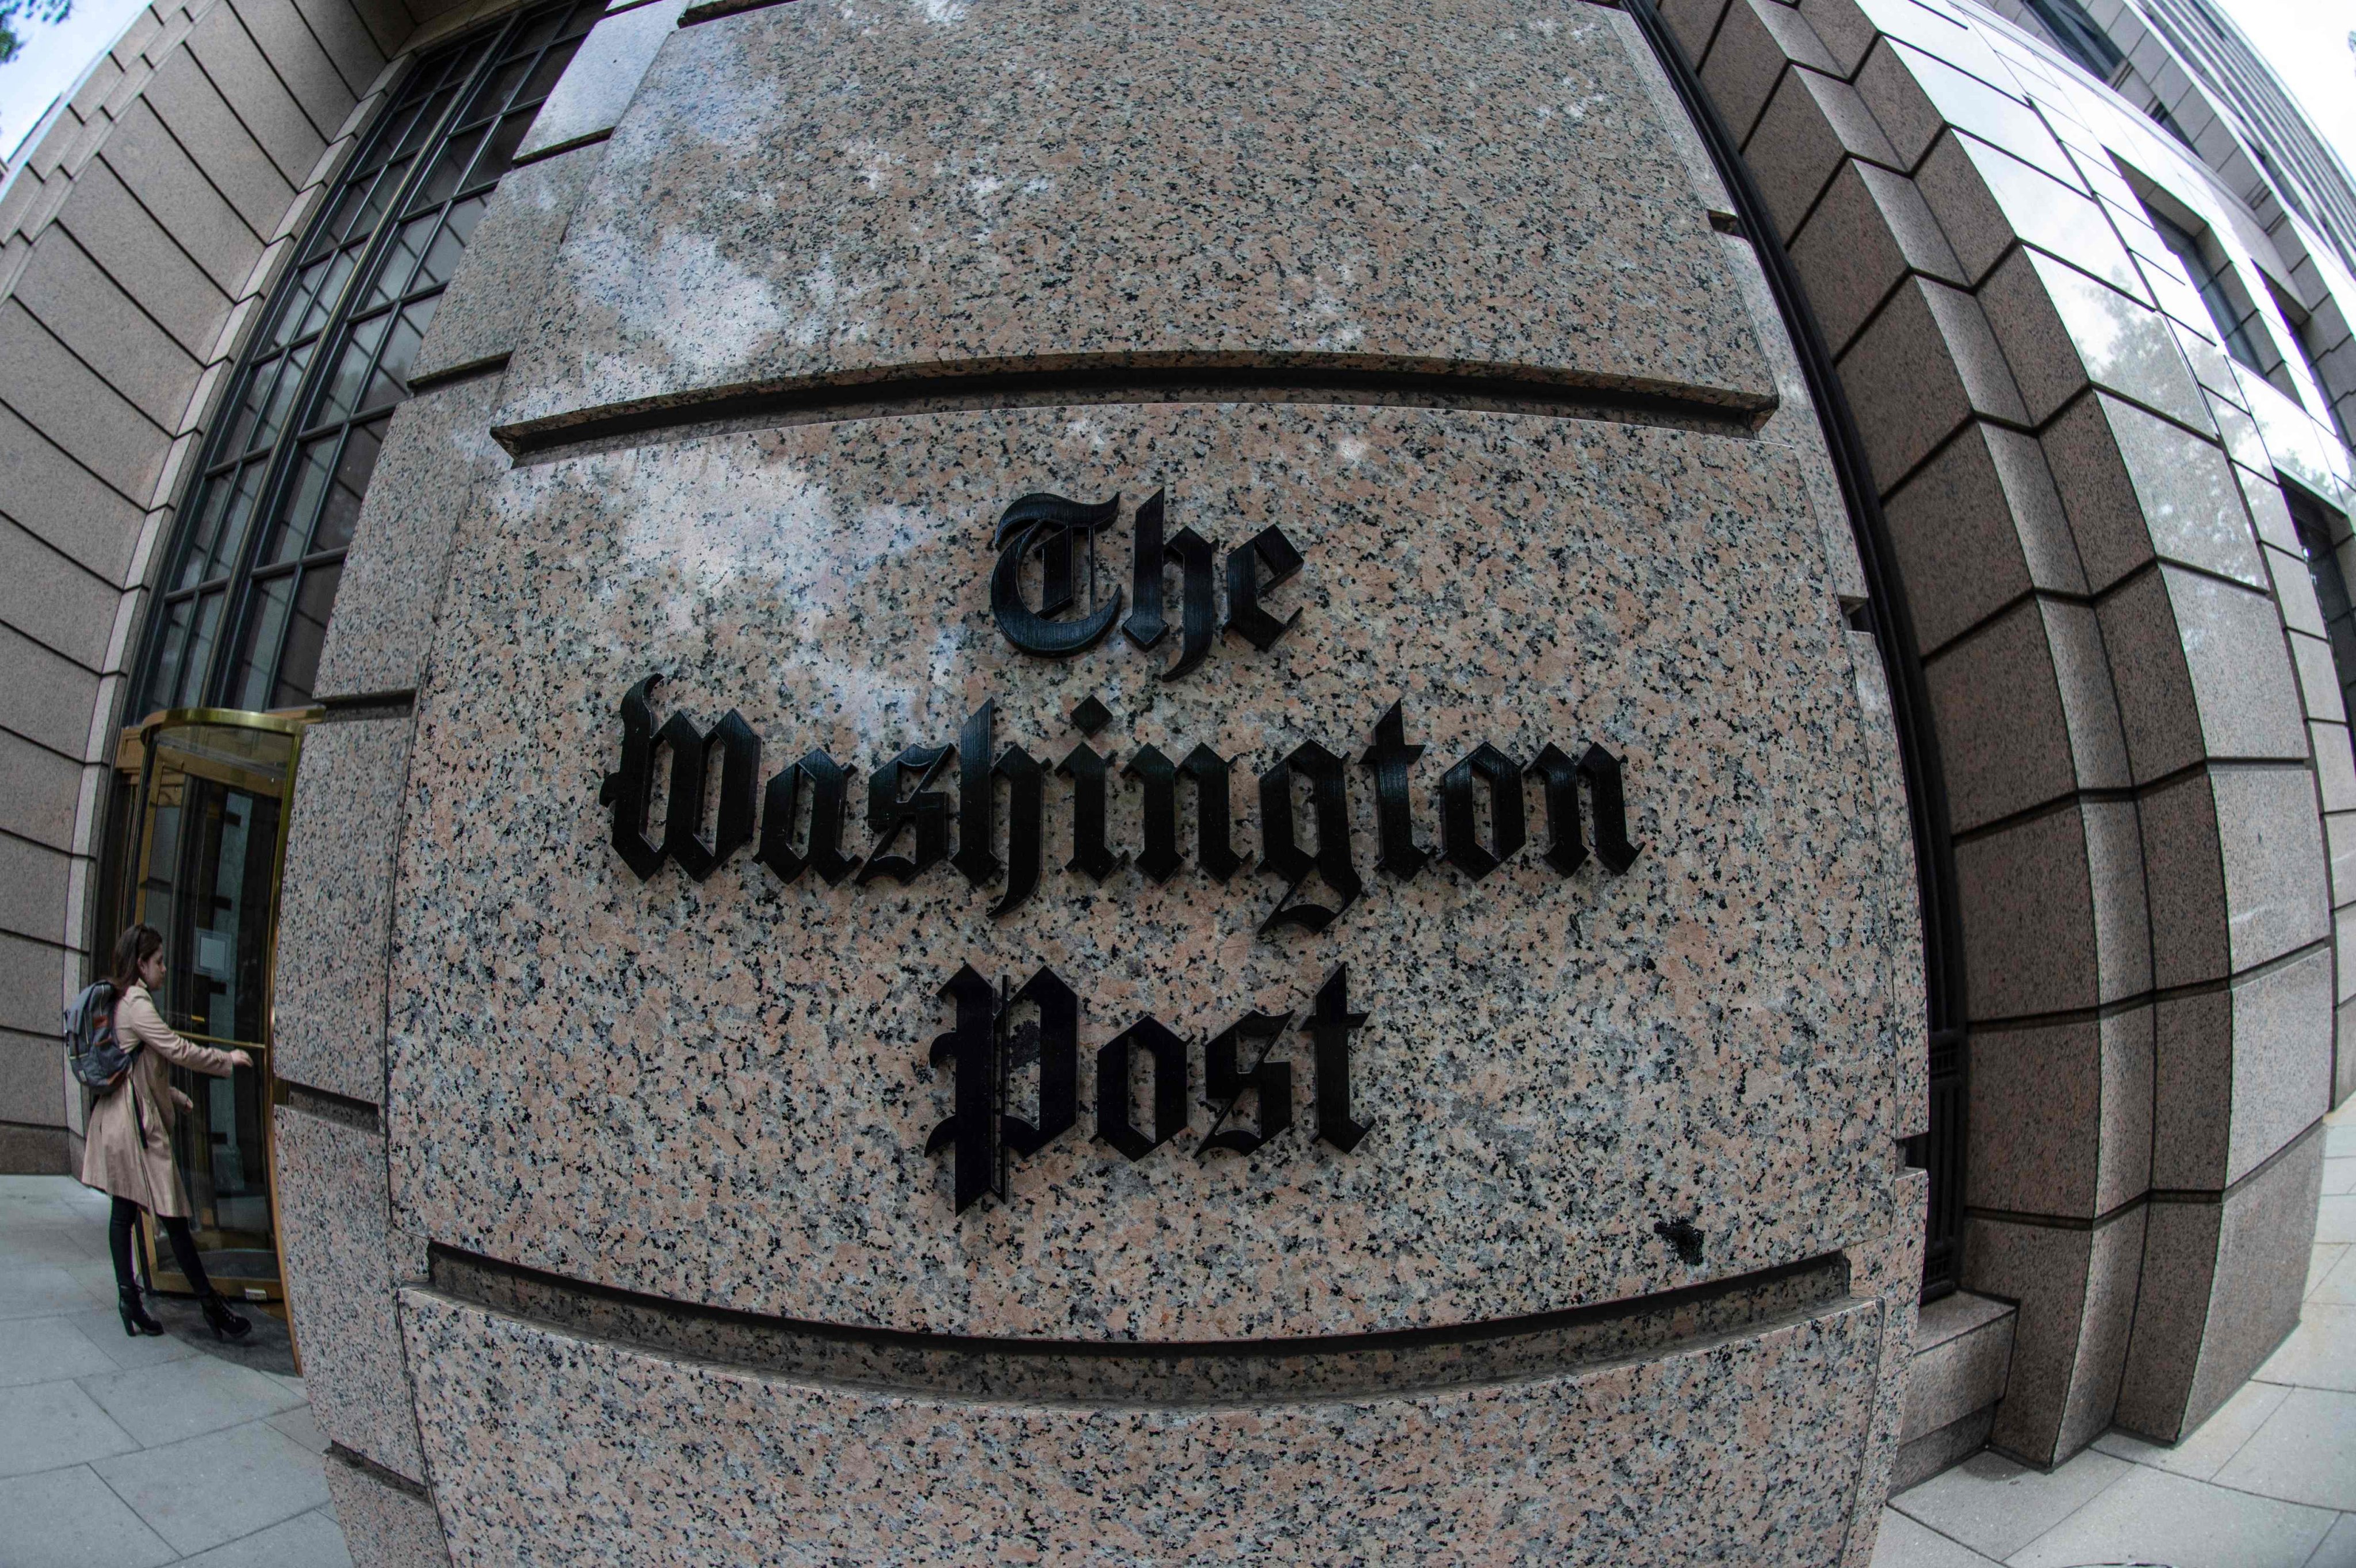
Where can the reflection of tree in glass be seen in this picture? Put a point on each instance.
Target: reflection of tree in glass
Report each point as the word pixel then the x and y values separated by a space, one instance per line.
pixel 12 11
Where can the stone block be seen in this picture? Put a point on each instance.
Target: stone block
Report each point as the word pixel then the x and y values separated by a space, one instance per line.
pixel 436 452
pixel 2335 769
pixel 1812 125
pixel 2060 1121
pixel 1985 198
pixel 34 875
pixel 341 1267
pixel 301 60
pixel 88 313
pixel 605 70
pixel 2235 861
pixel 2270 512
pixel 1870 229
pixel 2062 331
pixel 1923 366
pixel 335 910
pixel 2076 1287
pixel 499 292
pixel 257 94
pixel 538 1439
pixel 1693 23
pixel 2238 431
pixel 2295 591
pixel 775 531
pixel 49 699
pixel 211 133
pixel 38 789
pixel 1963 1349
pixel 1915 95
pixel 1756 41
pixel 141 257
pixel 2343 1055
pixel 199 220
pixel 2340 848
pixel 2319 679
pixel 2241 1071
pixel 2222 1281
pixel 1699 168
pixel 2137 486
pixel 2200 670
pixel 2054 912
pixel 1978 527
pixel 1436 244
pixel 55 601
pixel 32 983
pixel 1940 1450
pixel 1845 31
pixel 2024 712
pixel 389 1521
pixel 72 406
pixel 1889 1265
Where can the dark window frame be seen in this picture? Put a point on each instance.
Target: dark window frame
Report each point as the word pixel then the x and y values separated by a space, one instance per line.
pixel 262 528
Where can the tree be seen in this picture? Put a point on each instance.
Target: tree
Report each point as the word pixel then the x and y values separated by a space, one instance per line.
pixel 13 11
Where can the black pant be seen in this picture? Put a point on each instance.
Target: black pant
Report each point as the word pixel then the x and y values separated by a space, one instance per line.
pixel 175 1228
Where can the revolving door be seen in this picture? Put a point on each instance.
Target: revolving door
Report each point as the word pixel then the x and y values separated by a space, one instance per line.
pixel 209 819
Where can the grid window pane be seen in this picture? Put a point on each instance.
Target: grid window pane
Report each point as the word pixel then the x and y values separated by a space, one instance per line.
pixel 316 394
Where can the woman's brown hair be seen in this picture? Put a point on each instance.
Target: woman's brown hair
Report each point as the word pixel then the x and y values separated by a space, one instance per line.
pixel 131 951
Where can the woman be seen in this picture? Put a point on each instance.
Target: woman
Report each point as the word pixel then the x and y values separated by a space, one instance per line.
pixel 128 1153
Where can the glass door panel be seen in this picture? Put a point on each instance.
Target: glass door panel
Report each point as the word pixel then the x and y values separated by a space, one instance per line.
pixel 214 788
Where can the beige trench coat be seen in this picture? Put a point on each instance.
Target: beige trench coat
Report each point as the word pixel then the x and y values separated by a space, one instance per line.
pixel 128 1152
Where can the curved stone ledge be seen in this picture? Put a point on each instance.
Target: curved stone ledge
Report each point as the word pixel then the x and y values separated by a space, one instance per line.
pixel 550 1448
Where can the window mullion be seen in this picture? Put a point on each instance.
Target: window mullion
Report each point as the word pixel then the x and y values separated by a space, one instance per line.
pixel 333 335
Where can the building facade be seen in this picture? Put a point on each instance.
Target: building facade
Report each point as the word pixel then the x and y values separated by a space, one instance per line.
pixel 1148 782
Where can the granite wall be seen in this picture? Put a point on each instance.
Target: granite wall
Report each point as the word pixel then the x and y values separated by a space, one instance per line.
pixel 1587 1237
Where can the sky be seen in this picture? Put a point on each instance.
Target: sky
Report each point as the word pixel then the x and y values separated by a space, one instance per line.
pixel 2304 40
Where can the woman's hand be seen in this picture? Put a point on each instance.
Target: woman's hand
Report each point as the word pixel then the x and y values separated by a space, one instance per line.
pixel 242 1058
pixel 182 1100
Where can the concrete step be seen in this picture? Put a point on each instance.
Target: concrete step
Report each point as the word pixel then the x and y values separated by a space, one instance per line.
pixel 1963 1354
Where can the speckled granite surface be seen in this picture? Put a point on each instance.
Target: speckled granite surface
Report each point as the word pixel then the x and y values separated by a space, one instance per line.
pixel 334 915
pixel 840 191
pixel 340 1272
pixel 714 1090
pixel 384 1526
pixel 548 1449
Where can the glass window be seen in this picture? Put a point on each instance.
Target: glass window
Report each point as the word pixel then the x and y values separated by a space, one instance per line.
pixel 2234 327
pixel 260 541
pixel 2318 525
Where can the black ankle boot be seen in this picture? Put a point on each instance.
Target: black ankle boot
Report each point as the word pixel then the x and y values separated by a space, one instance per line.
pixel 227 1324
pixel 135 1320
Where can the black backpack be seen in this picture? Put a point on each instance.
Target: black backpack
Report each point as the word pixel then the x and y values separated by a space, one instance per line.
pixel 97 1058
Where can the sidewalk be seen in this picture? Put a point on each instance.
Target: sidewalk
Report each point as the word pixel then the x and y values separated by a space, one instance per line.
pixel 2269 1481
pixel 124 1453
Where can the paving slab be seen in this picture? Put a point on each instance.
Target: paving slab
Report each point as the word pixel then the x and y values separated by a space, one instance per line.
pixel 70 1519
pixel 2151 1516
pixel 180 1399
pixel 2320 1352
pixel 2305 1452
pixel 47 1426
pixel 204 1491
pixel 2203 1452
pixel 312 1540
pixel 1997 1507
pixel 1903 1544
pixel 49 1350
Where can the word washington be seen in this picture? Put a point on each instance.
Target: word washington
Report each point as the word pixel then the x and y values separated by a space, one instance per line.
pixel 908 819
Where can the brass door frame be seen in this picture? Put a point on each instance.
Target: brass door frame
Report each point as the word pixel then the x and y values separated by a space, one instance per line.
pixel 224 771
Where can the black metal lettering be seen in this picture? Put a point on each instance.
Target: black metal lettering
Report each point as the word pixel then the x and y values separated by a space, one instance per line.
pixel 627 786
pixel 1158 858
pixel 1281 851
pixel 1026 789
pixel 1089 769
pixel 1056 529
pixel 1270 547
pixel 1214 849
pixel 1328 1026
pixel 690 762
pixel 1198 611
pixel 1052 1042
pixel 1601 771
pixel 977 799
pixel 1113 1061
pixel 829 786
pixel 1226 1084
pixel 1459 830
pixel 1145 624
pixel 1390 756
pixel 969 1049
pixel 1566 844
pixel 924 810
